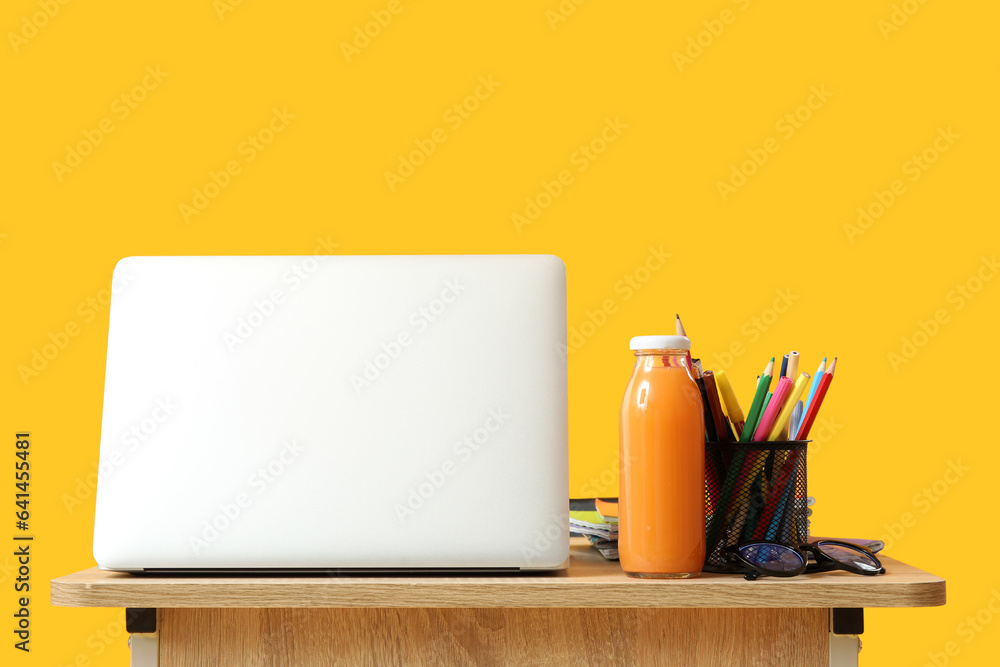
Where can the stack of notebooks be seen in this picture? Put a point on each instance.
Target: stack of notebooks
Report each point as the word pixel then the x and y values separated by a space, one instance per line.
pixel 599 525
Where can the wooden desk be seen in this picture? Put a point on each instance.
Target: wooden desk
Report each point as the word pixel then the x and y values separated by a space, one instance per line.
pixel 590 613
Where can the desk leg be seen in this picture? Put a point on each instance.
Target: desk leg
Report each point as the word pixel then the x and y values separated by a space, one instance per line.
pixel 143 638
pixel 319 637
pixel 144 650
pixel 845 627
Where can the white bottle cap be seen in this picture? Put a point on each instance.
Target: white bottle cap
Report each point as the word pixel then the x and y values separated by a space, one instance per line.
pixel 660 343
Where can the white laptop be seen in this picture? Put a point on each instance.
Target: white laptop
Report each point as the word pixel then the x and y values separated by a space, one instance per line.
pixel 335 413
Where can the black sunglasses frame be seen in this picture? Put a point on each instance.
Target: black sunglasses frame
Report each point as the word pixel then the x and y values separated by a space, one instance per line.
pixel 823 562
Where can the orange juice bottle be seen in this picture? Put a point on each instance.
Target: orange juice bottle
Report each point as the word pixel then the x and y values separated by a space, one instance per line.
pixel 662 461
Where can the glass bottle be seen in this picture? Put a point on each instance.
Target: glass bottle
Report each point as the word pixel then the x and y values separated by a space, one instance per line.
pixel 662 463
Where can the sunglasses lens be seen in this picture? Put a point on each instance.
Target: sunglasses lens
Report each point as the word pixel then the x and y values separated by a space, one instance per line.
pixel 772 557
pixel 848 556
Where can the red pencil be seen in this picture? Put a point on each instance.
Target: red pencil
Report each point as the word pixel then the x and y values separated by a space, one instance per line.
pixel 716 406
pixel 810 416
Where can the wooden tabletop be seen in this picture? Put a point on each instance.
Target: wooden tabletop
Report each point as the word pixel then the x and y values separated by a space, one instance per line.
pixel 590 581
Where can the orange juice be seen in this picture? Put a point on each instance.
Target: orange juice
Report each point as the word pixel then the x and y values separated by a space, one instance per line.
pixel 662 463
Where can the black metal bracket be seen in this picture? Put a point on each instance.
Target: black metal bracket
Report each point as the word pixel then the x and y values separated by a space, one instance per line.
pixel 140 620
pixel 847 621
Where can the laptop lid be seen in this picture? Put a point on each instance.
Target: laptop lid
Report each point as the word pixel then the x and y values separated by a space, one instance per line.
pixel 335 412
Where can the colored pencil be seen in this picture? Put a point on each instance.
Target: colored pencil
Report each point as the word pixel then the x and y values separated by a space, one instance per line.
pixel 761 459
pixel 793 372
pixel 756 506
pixel 810 416
pixel 773 408
pixel 679 330
pixel 756 407
pixel 757 490
pixel 792 369
pixel 771 504
pixel 781 421
pixel 796 418
pixel 763 409
pixel 710 433
pixel 783 508
pixel 736 470
pixel 713 402
pixel 729 430
pixel 729 398
pixel 712 388
pixel 815 383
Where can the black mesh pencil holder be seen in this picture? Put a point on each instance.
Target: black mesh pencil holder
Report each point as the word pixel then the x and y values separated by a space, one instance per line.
pixel 753 491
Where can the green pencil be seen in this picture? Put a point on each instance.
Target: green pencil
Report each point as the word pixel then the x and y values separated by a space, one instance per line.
pixel 757 407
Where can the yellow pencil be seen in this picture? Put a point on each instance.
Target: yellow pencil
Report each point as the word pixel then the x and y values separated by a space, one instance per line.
pixel 729 399
pixel 786 410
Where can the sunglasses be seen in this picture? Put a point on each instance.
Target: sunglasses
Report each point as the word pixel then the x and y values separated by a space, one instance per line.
pixel 771 559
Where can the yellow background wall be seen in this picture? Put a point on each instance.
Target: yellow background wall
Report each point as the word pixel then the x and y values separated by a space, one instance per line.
pixel 687 91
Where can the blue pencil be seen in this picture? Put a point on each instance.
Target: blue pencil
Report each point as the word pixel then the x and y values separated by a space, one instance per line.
pixel 783 510
pixel 814 385
pixel 784 366
pixel 795 419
